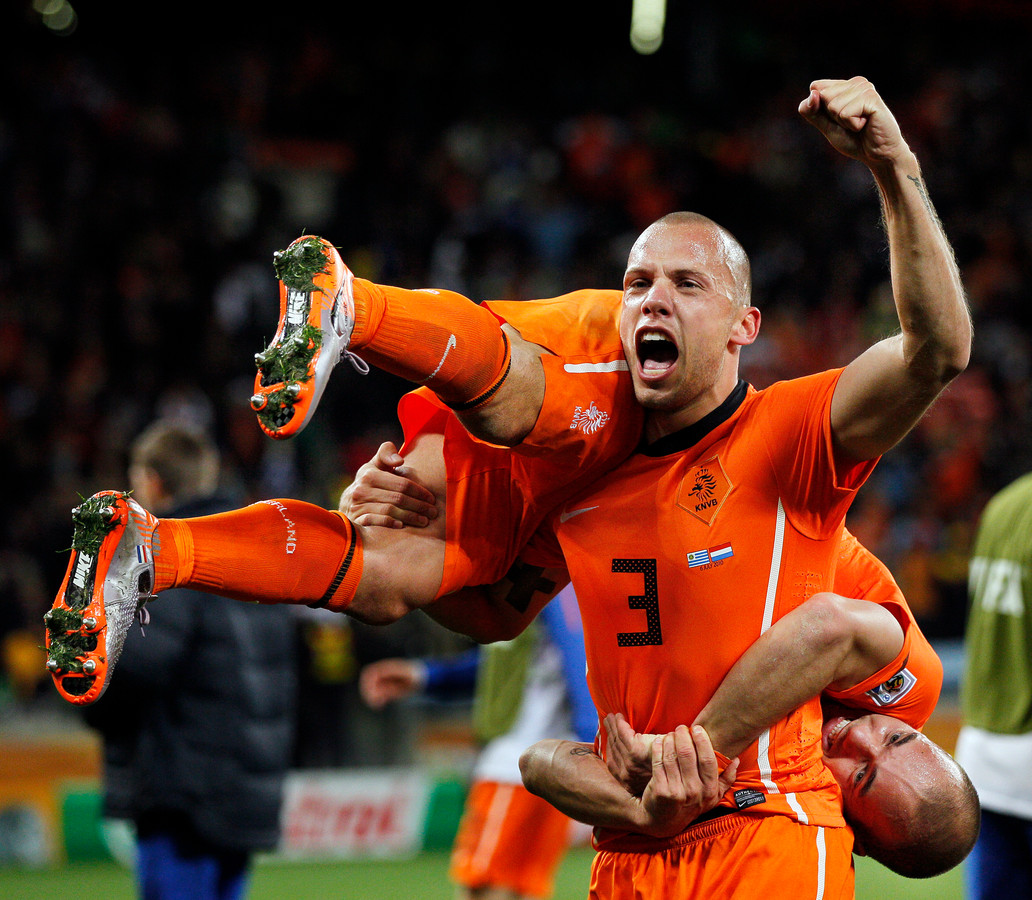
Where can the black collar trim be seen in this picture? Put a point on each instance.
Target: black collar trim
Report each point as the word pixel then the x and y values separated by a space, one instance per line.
pixel 692 434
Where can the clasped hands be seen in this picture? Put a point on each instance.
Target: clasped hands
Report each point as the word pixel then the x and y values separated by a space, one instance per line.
pixel 676 776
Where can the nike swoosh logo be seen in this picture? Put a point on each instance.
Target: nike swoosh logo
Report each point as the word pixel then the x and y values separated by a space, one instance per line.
pixel 452 343
pixel 563 517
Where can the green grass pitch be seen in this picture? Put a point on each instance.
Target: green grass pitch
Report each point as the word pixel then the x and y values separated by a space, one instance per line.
pixel 424 877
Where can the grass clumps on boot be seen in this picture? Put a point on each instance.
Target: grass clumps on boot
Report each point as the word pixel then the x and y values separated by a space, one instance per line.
pixel 289 361
pixel 298 265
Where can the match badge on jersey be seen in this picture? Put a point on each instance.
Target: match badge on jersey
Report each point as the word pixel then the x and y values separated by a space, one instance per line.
pixel 703 490
pixel 710 556
pixel 895 689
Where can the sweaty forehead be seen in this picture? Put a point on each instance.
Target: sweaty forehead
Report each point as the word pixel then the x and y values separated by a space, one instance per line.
pixel 689 243
pixel 686 247
pixel 909 770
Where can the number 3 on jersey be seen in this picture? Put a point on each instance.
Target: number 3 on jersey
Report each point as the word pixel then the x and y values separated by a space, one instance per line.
pixel 649 601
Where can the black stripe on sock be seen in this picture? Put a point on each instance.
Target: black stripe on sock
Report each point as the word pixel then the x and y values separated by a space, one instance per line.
pixel 490 392
pixel 339 577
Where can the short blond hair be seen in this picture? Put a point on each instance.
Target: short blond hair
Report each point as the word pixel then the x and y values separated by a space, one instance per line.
pixel 184 458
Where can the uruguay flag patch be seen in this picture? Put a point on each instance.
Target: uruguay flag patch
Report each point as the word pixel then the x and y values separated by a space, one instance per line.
pixel 698 558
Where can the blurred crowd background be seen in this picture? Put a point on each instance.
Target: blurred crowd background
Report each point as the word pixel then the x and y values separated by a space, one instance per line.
pixel 151 162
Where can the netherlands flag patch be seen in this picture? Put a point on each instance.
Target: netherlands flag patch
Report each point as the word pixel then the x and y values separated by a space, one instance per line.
pixel 143 553
pixel 723 551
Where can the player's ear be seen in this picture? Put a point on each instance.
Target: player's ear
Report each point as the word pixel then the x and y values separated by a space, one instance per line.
pixel 747 327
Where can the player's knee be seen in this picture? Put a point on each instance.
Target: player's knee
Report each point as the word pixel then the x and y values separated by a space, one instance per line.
pixel 510 415
pixel 401 572
pixel 381 609
pixel 383 601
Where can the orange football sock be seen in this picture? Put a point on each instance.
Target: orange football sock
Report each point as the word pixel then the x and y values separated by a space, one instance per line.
pixel 274 551
pixel 437 338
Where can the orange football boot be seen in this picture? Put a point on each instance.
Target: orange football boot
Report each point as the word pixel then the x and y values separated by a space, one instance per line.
pixel 110 577
pixel 317 316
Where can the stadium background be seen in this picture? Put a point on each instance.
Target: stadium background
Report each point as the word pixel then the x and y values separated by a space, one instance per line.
pixel 153 159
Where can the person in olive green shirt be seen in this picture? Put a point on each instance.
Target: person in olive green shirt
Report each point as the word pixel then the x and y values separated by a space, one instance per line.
pixel 995 743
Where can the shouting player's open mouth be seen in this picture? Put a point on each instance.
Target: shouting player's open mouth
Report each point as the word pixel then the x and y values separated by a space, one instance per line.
pixel 832 730
pixel 657 353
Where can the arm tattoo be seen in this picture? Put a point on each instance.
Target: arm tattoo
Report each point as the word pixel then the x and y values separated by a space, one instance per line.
pixel 923 191
pixel 582 751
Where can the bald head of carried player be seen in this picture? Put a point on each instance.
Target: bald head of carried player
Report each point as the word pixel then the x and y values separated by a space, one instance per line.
pixel 911 806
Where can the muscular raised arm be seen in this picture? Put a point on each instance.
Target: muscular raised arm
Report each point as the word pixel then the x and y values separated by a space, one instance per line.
pixel 883 393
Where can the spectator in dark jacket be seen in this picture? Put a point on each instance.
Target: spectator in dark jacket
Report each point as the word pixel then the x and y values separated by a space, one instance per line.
pixel 198 727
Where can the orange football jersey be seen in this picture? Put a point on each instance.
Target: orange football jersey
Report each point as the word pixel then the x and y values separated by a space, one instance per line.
pixel 683 555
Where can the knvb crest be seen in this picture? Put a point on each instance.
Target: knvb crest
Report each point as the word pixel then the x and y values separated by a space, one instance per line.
pixel 589 420
pixel 703 490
